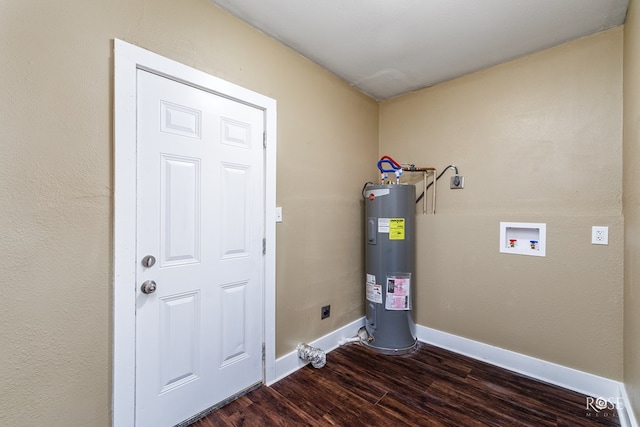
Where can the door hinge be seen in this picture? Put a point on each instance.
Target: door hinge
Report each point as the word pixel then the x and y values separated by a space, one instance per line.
pixel 264 246
pixel 264 139
pixel 264 352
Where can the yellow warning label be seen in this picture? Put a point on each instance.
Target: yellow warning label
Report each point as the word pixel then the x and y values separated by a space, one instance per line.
pixel 396 228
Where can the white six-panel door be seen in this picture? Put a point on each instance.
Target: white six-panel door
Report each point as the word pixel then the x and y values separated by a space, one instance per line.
pixel 200 214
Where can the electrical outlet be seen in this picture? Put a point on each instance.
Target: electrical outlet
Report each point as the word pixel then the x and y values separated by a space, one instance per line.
pixel 599 235
pixel 457 182
pixel 325 312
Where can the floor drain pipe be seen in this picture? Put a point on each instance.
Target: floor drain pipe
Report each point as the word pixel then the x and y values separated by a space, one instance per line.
pixel 316 356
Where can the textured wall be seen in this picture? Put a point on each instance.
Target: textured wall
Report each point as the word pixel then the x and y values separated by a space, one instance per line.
pixel 555 115
pixel 539 139
pixel 56 170
pixel 632 205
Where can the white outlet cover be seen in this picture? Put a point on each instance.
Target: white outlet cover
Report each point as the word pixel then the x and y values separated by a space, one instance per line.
pixel 278 214
pixel 599 235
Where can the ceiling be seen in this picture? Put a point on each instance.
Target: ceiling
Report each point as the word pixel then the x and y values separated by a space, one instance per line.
pixel 389 47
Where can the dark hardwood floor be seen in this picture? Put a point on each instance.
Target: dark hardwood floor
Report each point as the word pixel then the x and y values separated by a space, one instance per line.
pixel 428 387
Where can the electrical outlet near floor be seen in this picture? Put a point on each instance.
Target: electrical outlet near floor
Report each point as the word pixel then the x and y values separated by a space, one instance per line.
pixel 325 312
pixel 599 235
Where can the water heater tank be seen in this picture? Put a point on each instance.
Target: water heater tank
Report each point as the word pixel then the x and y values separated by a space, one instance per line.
pixel 390 266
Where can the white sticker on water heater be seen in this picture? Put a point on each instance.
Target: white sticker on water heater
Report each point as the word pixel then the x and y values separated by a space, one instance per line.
pixel 371 278
pixel 383 225
pixel 374 293
pixel 398 292
pixel 378 193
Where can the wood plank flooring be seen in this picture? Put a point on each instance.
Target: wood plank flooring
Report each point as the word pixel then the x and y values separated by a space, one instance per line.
pixel 428 387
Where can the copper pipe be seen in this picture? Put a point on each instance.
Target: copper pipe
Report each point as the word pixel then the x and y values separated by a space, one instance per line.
pixel 415 169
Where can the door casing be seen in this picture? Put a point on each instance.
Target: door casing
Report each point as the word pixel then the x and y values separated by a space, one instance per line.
pixel 127 60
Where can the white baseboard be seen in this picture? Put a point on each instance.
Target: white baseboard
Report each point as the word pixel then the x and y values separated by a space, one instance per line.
pixel 627 417
pixel 289 363
pixel 572 379
pixel 569 378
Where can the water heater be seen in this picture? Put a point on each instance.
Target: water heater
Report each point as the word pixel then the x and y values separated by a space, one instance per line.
pixel 390 266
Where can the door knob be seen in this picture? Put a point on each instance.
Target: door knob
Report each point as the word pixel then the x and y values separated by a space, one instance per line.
pixel 148 261
pixel 148 287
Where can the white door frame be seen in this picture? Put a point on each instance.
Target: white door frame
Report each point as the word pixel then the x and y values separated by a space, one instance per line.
pixel 127 60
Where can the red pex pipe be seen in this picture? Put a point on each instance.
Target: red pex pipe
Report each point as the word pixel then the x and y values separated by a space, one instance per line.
pixel 396 164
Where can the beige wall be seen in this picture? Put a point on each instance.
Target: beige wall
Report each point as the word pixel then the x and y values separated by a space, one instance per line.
pixel 631 203
pixel 538 139
pixel 56 170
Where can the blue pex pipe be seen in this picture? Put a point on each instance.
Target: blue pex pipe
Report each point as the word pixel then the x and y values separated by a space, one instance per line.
pixel 393 167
